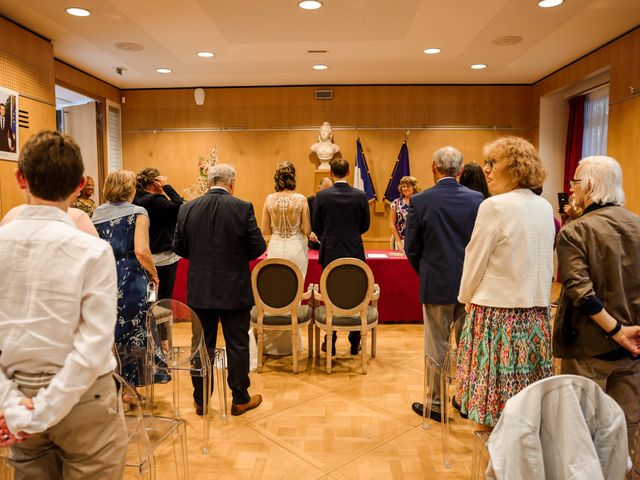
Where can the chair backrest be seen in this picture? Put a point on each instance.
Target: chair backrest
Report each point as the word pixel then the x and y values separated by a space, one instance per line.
pixel 346 285
pixel 172 324
pixel 563 424
pixel 277 286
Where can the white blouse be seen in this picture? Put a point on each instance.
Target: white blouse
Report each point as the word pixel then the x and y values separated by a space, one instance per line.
pixel 509 260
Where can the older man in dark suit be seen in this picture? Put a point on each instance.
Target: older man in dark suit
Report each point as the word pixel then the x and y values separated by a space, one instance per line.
pixel 340 217
pixel 218 233
pixel 439 226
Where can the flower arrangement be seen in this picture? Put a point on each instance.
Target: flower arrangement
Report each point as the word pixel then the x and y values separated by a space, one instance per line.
pixel 201 185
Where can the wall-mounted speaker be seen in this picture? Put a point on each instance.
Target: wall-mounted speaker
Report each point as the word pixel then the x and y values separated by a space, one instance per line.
pixel 198 95
pixel 323 94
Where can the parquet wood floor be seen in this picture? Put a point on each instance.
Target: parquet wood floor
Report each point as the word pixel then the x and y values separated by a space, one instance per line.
pixel 344 426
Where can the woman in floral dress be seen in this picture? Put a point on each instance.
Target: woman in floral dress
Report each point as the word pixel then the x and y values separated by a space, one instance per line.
pixel 506 284
pixel 126 227
pixel 399 210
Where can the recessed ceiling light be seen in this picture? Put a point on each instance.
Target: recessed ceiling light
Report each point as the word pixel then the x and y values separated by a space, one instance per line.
pixel 78 12
pixel 550 3
pixel 309 4
pixel 163 70
pixel 320 67
pixel 205 54
pixel 432 51
pixel 478 66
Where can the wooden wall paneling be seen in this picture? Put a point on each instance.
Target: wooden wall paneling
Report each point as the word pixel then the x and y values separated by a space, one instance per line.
pixel 362 106
pixel 255 155
pixel 79 81
pixel 624 145
pixel 27 62
pixel 41 117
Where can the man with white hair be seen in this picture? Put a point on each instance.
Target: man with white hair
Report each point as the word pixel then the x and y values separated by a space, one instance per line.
pixel 596 333
pixel 439 225
pixel 218 233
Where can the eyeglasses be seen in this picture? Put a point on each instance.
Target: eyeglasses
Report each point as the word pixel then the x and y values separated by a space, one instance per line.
pixel 574 181
pixel 489 164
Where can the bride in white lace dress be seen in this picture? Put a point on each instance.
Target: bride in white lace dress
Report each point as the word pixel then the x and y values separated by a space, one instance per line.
pixel 285 217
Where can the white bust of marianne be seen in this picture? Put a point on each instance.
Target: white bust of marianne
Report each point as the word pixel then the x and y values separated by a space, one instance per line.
pixel 325 149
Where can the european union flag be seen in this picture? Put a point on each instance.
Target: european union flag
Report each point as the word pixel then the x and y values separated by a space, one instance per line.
pixel 401 169
pixel 361 176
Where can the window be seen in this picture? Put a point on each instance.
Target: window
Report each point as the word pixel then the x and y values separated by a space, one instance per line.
pixel 596 119
pixel 114 137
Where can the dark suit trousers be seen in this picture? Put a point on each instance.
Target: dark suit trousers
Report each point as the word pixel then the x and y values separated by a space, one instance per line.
pixel 167 277
pixel 235 328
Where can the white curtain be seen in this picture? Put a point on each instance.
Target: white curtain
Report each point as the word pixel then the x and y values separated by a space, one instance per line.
pixel 596 120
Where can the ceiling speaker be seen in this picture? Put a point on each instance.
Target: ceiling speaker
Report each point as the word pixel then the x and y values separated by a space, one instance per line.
pixel 198 95
pixel 324 94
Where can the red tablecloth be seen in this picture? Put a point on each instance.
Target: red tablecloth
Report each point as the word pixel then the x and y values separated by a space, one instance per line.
pixel 399 290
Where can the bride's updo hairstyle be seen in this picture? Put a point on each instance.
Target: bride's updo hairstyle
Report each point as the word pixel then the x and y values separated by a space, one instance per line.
pixel 285 177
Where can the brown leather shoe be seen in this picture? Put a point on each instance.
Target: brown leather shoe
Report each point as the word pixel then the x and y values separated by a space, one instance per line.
pixel 240 408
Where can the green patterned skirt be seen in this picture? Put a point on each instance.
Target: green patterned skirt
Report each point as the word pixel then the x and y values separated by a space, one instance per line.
pixel 501 351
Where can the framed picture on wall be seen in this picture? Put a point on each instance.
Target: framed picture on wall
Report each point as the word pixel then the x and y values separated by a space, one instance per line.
pixel 8 124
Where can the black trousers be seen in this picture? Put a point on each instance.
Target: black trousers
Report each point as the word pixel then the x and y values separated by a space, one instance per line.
pixel 167 277
pixel 235 328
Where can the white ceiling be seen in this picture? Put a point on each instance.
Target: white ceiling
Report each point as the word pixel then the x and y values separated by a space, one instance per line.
pixel 265 42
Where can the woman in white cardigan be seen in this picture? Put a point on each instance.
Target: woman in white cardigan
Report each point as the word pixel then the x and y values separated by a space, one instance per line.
pixel 506 284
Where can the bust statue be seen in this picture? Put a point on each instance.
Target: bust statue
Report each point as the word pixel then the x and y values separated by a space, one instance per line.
pixel 325 149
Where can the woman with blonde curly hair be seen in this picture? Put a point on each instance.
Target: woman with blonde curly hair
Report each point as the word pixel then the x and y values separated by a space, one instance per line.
pixel 399 210
pixel 285 216
pixel 506 283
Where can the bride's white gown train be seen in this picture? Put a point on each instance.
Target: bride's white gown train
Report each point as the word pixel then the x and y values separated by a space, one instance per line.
pixel 287 241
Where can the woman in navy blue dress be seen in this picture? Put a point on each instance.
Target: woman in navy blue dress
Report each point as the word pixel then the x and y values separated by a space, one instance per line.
pixel 126 227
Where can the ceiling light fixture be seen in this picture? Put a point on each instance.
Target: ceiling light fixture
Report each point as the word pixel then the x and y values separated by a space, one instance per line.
pixel 320 67
pixel 78 12
pixel 309 4
pixel 550 3
pixel 205 54
pixel 478 66
pixel 163 70
pixel 432 51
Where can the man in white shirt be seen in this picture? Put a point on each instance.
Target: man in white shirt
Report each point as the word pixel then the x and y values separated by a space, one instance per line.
pixel 57 322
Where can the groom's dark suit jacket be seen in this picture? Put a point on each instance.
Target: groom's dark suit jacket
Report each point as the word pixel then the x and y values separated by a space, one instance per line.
pixel 218 233
pixel 340 217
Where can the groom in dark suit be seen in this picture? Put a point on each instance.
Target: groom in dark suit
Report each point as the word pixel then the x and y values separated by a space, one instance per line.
pixel 218 233
pixel 439 226
pixel 340 217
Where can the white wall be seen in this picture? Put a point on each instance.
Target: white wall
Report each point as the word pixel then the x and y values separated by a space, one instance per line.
pixel 80 123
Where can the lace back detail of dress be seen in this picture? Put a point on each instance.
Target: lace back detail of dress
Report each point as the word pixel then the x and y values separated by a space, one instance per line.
pixel 286 214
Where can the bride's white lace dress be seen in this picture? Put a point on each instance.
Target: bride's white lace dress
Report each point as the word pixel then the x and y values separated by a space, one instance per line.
pixel 286 217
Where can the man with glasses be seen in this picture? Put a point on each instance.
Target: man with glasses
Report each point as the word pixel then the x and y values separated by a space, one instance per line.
pixel 596 333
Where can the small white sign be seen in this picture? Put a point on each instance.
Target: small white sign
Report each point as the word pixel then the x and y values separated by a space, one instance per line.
pixel 377 255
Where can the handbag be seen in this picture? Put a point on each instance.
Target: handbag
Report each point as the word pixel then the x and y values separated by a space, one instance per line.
pixel 152 295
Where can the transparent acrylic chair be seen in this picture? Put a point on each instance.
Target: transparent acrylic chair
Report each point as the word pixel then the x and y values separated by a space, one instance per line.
pixel 446 370
pixel 181 347
pixel 480 458
pixel 149 435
